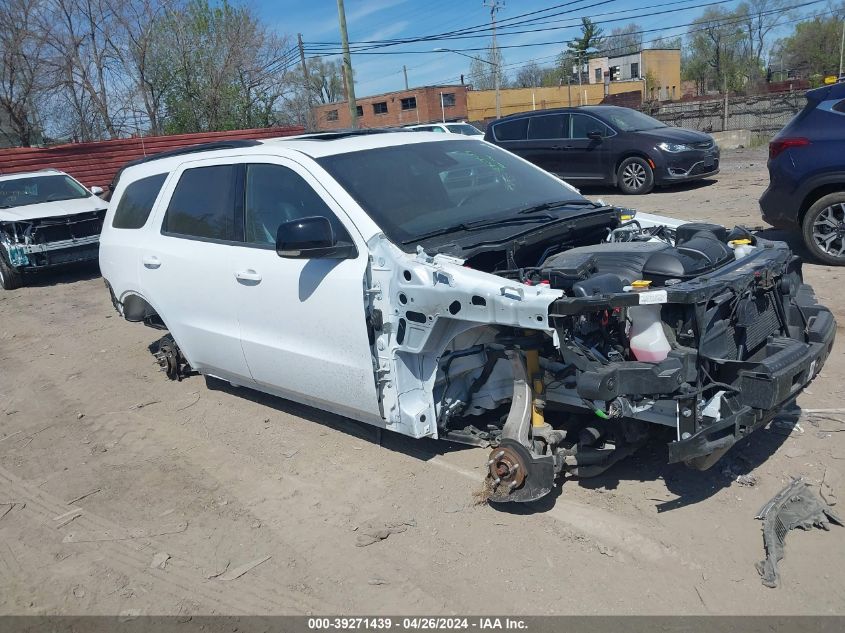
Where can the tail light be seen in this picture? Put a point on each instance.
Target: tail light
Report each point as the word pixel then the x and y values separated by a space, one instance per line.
pixel 780 145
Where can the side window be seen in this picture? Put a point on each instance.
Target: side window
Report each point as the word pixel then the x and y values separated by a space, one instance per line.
pixel 137 202
pixel 840 107
pixel 511 130
pixel 548 126
pixel 583 125
pixel 276 194
pixel 203 204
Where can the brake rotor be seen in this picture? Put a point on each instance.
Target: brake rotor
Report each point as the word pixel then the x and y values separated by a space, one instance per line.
pixel 517 475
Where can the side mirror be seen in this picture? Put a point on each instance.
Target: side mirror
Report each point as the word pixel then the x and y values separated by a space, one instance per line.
pixel 595 135
pixel 96 190
pixel 311 238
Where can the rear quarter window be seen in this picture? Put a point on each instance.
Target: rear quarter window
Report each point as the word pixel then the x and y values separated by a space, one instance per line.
pixel 137 202
pixel 511 130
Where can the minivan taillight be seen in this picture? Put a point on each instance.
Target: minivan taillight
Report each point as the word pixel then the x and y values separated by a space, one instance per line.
pixel 779 145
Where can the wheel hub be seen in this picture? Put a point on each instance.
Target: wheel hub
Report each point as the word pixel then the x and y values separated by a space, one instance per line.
pixel 507 468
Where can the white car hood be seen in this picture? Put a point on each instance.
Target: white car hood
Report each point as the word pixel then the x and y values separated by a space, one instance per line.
pixel 52 209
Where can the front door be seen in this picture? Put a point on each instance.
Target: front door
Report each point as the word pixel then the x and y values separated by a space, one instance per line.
pixel 302 321
pixel 587 158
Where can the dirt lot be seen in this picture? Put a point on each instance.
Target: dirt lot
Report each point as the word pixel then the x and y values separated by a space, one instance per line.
pixel 220 479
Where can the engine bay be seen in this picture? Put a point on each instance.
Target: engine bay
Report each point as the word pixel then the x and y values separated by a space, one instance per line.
pixel 692 332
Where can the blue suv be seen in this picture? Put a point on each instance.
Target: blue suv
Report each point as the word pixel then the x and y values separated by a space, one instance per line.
pixel 807 175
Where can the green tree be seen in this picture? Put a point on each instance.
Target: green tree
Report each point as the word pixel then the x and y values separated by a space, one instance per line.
pixel 813 48
pixel 715 54
pixel 227 70
pixel 580 49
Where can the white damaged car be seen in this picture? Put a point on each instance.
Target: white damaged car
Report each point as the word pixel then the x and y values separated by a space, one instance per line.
pixel 445 288
pixel 47 219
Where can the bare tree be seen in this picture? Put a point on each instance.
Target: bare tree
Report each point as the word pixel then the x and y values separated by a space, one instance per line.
pixel 85 40
pixel 482 74
pixel 623 40
pixel 530 76
pixel 144 57
pixel 759 19
pixel 24 69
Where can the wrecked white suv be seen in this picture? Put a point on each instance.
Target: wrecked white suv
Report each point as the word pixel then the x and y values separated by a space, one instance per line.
pixel 446 288
pixel 47 219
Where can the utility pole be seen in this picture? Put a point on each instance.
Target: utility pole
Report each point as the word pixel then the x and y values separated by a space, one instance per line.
pixel 347 67
pixel 842 51
pixel 494 6
pixel 405 70
pixel 309 118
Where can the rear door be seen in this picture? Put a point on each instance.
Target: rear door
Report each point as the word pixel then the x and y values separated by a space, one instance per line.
pixel 302 321
pixel 186 267
pixel 547 136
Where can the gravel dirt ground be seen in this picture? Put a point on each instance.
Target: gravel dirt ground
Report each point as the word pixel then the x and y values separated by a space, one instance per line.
pixel 124 493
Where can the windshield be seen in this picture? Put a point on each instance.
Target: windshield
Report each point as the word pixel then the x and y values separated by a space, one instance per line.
pixel 415 189
pixel 464 128
pixel 631 121
pixel 20 192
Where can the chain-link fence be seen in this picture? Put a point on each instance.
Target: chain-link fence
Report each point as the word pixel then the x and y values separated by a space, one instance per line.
pixel 764 115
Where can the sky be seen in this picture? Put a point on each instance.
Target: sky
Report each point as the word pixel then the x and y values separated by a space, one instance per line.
pixel 317 20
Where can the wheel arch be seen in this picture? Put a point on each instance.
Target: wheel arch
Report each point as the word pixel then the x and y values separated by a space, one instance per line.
pixel 819 191
pixel 630 153
pixel 135 308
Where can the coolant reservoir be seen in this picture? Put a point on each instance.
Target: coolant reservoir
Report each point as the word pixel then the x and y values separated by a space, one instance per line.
pixel 742 248
pixel 648 340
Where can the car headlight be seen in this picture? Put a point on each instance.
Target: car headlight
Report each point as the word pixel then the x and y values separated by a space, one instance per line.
pixel 674 148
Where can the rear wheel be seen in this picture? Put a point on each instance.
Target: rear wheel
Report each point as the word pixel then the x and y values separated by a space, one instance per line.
pixel 824 229
pixel 9 277
pixel 635 176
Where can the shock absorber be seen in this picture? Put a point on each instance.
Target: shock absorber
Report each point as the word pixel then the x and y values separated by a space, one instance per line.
pixel 535 378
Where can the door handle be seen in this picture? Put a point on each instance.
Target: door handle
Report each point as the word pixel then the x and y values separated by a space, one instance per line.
pixel 151 261
pixel 248 275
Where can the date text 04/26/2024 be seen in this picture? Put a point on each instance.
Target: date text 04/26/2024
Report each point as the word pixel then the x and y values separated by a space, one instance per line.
pixel 415 623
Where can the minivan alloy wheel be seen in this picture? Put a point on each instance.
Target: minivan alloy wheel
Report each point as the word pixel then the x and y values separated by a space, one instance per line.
pixel 634 175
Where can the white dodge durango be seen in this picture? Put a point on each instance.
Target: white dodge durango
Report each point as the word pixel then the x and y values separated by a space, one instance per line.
pixel 439 286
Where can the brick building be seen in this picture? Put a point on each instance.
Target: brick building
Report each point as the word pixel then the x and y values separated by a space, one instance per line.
pixel 404 107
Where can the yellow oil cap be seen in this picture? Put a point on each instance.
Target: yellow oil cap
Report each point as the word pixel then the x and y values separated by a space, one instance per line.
pixel 744 241
pixel 640 283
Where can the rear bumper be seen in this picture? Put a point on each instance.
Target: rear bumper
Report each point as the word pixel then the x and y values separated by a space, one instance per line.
pixel 779 208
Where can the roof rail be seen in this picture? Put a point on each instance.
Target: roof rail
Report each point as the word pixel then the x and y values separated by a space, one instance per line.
pixel 334 134
pixel 179 151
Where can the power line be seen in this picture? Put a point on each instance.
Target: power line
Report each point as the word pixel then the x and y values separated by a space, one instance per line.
pixel 485 28
pixel 709 24
pixel 622 48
